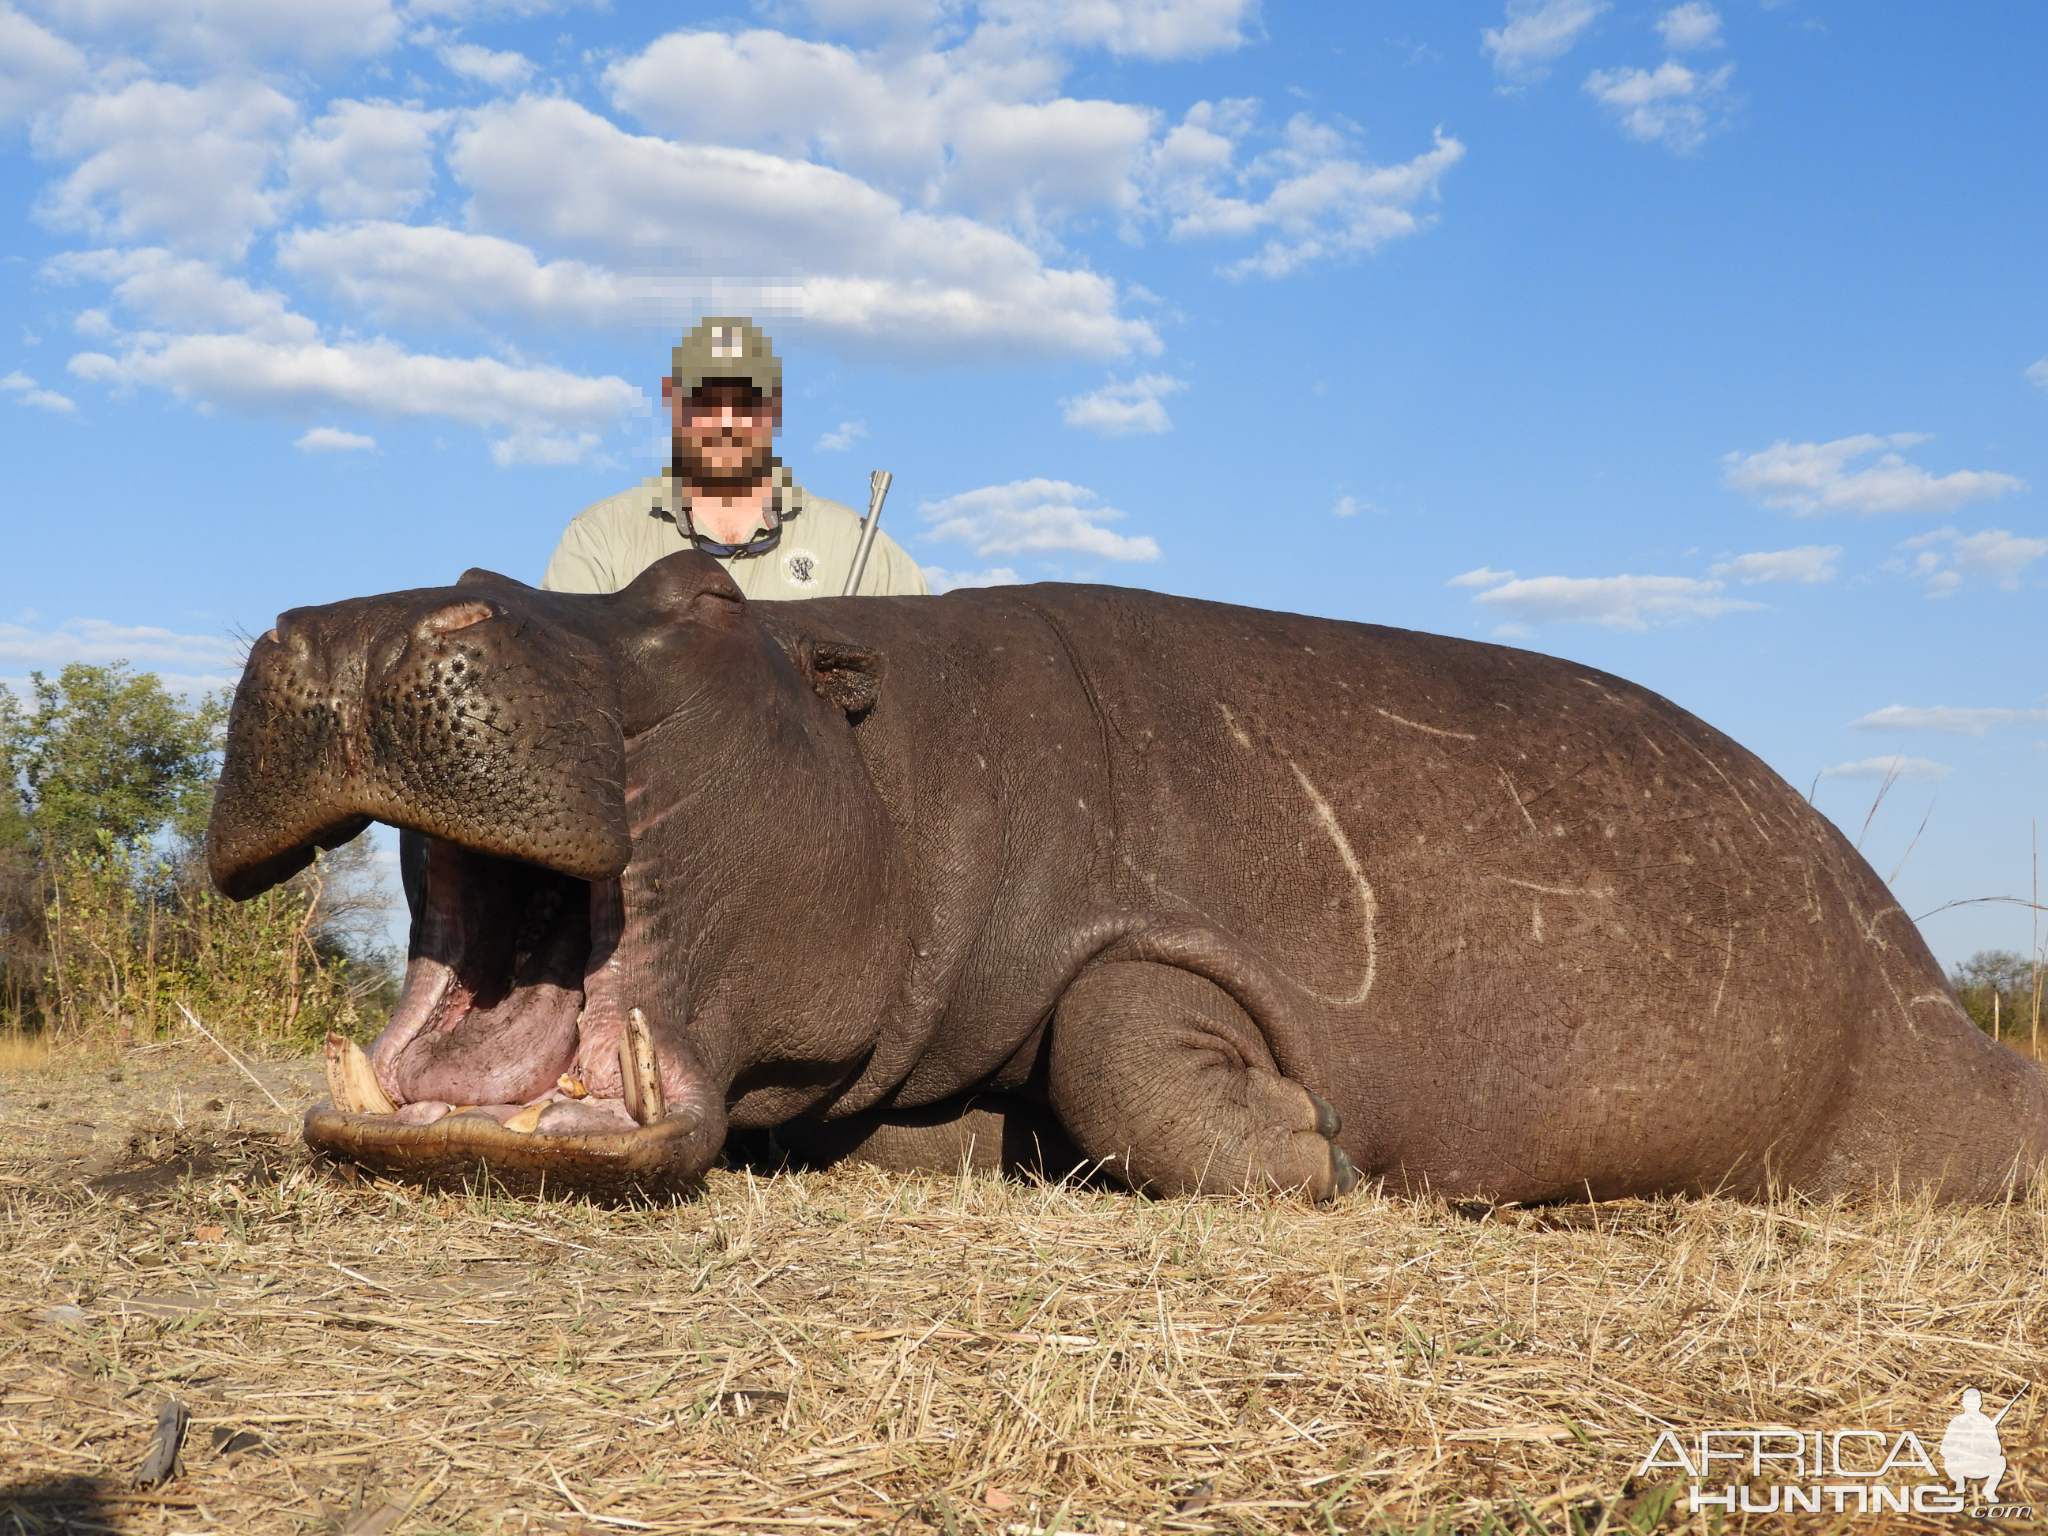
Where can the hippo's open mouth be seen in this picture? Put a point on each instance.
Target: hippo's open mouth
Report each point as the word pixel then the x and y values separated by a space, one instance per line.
pixel 508 1050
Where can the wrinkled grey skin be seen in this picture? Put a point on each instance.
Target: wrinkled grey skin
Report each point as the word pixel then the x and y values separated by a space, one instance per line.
pixel 1232 899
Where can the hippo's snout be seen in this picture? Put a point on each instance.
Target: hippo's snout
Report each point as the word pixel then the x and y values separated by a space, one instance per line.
pixel 438 710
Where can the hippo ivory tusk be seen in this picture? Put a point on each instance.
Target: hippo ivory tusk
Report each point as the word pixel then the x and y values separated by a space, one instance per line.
pixel 350 1080
pixel 640 1070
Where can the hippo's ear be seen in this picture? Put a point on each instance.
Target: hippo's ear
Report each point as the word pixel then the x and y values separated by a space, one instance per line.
pixel 850 676
pixel 477 576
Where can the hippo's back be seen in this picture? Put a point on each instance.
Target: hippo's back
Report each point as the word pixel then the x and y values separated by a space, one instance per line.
pixel 1537 907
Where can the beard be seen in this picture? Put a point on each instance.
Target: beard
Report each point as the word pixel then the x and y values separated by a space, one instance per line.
pixel 690 462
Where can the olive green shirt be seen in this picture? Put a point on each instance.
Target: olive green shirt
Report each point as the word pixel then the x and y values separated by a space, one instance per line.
pixel 614 540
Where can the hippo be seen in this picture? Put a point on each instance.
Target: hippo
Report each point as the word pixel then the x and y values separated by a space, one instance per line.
pixel 1217 900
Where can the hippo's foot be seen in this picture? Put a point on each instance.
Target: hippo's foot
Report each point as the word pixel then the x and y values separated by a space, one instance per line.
pixel 1164 1080
pixel 984 1132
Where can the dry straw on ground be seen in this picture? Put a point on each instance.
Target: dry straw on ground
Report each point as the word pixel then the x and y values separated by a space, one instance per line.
pixel 848 1351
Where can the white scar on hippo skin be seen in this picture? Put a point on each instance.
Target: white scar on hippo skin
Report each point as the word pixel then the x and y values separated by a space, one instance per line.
pixel 1727 966
pixel 1597 892
pixel 1235 729
pixel 1417 725
pixel 1369 907
pixel 1368 903
pixel 1516 795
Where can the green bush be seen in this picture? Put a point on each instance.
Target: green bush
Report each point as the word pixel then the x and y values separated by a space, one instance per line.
pixel 1999 990
pixel 107 920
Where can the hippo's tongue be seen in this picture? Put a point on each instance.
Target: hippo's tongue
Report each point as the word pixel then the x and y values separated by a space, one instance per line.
pixel 567 1108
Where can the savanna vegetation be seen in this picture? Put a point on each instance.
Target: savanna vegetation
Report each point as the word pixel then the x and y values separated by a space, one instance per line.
pixel 2001 990
pixel 108 926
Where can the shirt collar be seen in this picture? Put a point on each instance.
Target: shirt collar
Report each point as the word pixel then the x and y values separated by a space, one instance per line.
pixel 785 501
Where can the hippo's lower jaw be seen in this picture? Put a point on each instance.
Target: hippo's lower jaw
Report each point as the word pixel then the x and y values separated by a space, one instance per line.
pixel 664 1158
pixel 510 1058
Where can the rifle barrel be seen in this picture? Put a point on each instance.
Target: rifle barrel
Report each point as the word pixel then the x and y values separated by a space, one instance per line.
pixel 878 492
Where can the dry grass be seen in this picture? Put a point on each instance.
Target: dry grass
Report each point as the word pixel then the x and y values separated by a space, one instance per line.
pixel 23 1053
pixel 850 1351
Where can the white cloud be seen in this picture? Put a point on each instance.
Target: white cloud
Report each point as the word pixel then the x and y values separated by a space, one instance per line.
pixel 1947 556
pixel 19 383
pixel 1911 770
pixel 867 15
pixel 2038 373
pixel 1814 478
pixel 35 65
pixel 1620 602
pixel 841 437
pixel 541 447
pixel 1996 555
pixel 1484 576
pixel 935 129
pixel 1690 26
pixel 1146 29
pixel 179 293
pixel 250 374
pixel 366 159
pixel 1946 719
pixel 981 127
pixel 1122 409
pixel 1317 203
pixel 206 661
pixel 333 440
pixel 215 340
pixel 863 269
pixel 1537 31
pixel 1807 563
pixel 943 580
pixel 187 165
pixel 1351 506
pixel 428 276
pixel 477 63
pixel 1034 516
pixel 474 10
pixel 1669 105
pixel 230 33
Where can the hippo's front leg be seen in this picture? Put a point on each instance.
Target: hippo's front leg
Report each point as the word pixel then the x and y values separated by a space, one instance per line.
pixel 1159 1075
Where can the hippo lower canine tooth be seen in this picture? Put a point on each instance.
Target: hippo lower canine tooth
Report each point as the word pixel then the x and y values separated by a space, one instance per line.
pixel 350 1080
pixel 640 1070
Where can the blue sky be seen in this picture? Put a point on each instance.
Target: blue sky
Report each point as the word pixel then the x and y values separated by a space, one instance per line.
pixel 1704 343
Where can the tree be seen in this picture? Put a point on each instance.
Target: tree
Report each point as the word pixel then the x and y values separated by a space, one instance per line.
pixel 105 761
pixel 1997 984
pixel 104 930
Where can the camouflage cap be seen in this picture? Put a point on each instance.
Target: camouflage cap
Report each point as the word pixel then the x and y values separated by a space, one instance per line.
pixel 727 347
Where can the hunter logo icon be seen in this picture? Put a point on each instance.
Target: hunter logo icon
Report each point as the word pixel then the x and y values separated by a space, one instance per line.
pixel 1970 1448
pixel 726 341
pixel 801 567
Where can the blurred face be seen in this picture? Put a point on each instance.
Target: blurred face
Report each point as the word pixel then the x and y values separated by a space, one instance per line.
pixel 724 434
